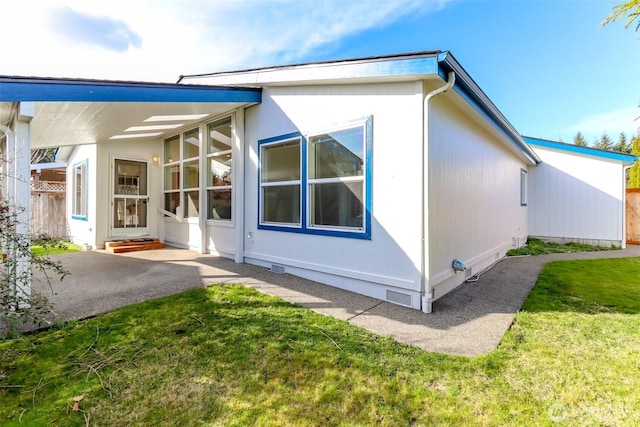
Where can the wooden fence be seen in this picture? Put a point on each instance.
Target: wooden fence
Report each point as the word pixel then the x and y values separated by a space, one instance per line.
pixel 48 209
pixel 633 216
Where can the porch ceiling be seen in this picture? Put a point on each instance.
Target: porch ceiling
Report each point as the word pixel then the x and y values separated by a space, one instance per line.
pixel 74 111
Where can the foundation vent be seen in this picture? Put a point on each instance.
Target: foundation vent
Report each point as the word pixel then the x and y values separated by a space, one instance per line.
pixel 468 272
pixel 278 269
pixel 399 298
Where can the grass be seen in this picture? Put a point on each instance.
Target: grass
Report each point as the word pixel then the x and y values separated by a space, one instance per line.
pixel 52 247
pixel 227 355
pixel 538 247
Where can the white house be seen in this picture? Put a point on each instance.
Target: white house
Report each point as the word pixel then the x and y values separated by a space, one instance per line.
pixel 371 174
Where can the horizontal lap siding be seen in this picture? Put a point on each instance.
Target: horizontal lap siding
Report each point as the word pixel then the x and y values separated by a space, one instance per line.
pixel 83 231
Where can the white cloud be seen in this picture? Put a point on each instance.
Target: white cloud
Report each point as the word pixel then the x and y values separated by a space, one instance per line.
pixel 612 122
pixel 168 38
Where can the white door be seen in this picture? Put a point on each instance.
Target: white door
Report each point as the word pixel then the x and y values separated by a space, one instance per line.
pixel 130 198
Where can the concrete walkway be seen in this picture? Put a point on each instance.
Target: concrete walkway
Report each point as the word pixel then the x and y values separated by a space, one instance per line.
pixel 469 321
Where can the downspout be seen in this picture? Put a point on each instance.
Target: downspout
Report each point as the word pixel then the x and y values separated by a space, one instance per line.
pixel 425 289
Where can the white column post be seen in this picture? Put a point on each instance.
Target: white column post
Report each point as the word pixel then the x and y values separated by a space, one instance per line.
pixel 22 194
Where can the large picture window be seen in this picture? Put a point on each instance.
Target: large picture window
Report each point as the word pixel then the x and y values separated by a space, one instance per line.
pixel 318 184
pixel 79 203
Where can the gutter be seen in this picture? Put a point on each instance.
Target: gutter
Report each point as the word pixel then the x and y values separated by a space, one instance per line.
pixel 468 89
pixel 425 291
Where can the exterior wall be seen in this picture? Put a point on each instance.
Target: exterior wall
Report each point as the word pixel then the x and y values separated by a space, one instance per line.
pixel 96 229
pixel 474 206
pixel 390 261
pixel 138 150
pixel 83 231
pixel 576 197
pixel 218 237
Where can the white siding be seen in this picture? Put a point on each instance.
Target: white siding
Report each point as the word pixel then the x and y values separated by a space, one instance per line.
pixel 575 197
pixel 391 259
pixel 474 195
pixel 138 150
pixel 83 231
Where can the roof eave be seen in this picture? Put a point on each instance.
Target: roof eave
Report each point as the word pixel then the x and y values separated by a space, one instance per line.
pixel 38 89
pixel 466 87
pixel 413 66
pixel 624 158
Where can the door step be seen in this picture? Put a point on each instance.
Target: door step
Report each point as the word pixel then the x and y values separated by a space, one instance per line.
pixel 131 245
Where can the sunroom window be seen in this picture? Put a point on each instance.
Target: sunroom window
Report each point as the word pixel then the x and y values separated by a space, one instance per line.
pixel 219 170
pixel 181 173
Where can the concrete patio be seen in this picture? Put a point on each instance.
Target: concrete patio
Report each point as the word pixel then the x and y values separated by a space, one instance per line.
pixel 469 321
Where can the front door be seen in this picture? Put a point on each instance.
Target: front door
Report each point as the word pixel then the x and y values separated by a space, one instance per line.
pixel 129 199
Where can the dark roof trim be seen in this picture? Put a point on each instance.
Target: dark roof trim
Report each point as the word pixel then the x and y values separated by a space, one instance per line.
pixel 33 89
pixel 466 87
pixel 589 151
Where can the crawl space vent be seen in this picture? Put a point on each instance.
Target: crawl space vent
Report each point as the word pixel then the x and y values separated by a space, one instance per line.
pixel 399 298
pixel 279 269
pixel 468 273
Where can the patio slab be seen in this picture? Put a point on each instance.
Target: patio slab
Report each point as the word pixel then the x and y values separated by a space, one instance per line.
pixel 469 321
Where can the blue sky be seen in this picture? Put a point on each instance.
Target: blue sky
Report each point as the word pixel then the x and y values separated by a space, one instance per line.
pixel 547 64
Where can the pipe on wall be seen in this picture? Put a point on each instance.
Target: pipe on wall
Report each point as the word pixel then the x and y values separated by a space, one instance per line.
pixel 425 290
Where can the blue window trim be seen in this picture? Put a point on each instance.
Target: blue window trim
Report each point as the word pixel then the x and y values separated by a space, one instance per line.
pixel 84 217
pixel 304 226
pixel 524 182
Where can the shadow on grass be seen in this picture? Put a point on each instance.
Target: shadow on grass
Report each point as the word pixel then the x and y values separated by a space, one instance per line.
pixel 227 343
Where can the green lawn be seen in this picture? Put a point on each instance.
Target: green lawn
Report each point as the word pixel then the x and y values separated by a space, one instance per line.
pixel 538 247
pixel 52 247
pixel 227 355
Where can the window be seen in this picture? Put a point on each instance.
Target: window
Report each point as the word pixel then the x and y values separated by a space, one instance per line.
pixel 79 208
pixel 336 179
pixel 181 173
pixel 319 184
pixel 523 187
pixel 280 181
pixel 219 169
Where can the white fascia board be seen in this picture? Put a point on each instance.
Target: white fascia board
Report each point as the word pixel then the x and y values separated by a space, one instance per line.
pixel 397 68
pixel 605 155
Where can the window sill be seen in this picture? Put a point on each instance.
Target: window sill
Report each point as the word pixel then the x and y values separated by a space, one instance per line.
pixel 318 232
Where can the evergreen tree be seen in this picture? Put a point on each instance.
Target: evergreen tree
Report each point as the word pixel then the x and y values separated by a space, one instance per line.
pixel 579 140
pixel 623 145
pixel 604 143
pixel 634 172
